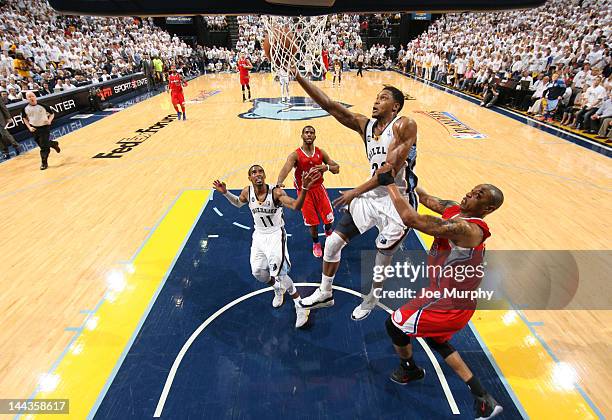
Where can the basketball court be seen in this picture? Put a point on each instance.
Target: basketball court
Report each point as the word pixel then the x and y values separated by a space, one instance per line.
pixel 129 289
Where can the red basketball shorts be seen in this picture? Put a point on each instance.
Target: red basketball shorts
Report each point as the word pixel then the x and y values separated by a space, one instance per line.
pixel 317 204
pixel 178 98
pixel 439 325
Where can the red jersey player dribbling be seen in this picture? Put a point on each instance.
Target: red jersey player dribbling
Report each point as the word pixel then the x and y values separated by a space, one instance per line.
pixel 317 204
pixel 244 65
pixel 175 86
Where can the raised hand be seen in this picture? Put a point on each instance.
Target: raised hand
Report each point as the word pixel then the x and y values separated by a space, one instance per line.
pixel 345 198
pixel 309 178
pixel 220 186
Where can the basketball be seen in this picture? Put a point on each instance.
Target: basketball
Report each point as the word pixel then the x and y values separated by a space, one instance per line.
pixel 284 47
pixel 266 47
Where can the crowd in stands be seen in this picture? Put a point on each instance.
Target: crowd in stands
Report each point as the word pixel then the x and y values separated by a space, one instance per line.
pixel 46 52
pixel 553 62
pixel 216 23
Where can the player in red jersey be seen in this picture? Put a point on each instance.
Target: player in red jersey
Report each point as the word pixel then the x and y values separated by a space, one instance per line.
pixel 325 58
pixel 317 202
pixel 244 65
pixel 175 87
pixel 454 262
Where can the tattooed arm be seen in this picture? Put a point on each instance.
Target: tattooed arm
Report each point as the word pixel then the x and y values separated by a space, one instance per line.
pixel 461 232
pixel 434 203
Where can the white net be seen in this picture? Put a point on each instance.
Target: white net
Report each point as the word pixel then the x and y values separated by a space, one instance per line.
pixel 296 42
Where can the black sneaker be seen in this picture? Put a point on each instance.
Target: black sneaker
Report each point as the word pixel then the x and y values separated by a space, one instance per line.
pixel 55 146
pixel 486 407
pixel 402 376
pixel 6 156
pixel 43 166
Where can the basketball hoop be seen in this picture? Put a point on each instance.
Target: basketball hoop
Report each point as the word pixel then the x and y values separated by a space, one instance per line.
pixel 296 43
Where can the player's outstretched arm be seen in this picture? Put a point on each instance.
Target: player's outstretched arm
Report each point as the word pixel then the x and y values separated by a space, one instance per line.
pixel 239 201
pixel 461 232
pixel 287 167
pixel 296 204
pixel 352 120
pixel 330 164
pixel 434 203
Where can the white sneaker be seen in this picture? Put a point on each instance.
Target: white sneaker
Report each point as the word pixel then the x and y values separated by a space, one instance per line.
pixel 318 299
pixel 279 294
pixel 301 316
pixel 362 310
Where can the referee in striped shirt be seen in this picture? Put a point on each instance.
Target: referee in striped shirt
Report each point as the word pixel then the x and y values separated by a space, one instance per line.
pixel 38 119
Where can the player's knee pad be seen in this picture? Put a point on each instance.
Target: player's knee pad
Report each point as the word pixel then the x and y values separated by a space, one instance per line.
pixel 346 226
pixel 261 275
pixel 398 337
pixel 444 349
pixel 333 248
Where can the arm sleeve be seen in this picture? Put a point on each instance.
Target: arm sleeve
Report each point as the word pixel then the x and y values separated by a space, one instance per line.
pixel 233 199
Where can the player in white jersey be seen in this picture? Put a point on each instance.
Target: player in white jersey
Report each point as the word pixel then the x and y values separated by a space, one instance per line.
pixel 269 255
pixel 283 79
pixel 390 139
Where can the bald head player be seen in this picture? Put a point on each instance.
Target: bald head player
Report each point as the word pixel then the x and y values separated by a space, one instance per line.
pixel 459 247
pixel 389 138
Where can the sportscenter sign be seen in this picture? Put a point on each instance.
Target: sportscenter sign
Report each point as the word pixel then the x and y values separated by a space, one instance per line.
pixel 77 100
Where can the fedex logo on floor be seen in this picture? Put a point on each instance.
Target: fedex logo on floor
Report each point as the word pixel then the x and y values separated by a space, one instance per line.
pixel 128 144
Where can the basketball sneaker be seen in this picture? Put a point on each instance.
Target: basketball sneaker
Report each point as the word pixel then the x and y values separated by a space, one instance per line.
pixel 402 375
pixel 362 310
pixel 184 116
pixel 486 407
pixel 55 146
pixel 301 315
pixel 279 296
pixel 316 250
pixel 318 299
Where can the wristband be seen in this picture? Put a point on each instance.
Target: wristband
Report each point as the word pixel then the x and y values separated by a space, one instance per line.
pixel 385 178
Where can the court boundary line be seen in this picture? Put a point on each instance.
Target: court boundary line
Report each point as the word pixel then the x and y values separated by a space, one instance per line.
pixel 599 148
pixel 500 375
pixel 145 314
pixel 92 312
pixel 179 358
pixel 530 326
